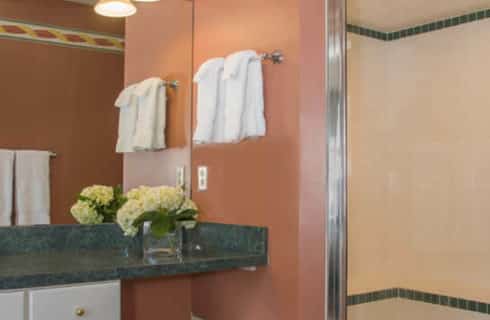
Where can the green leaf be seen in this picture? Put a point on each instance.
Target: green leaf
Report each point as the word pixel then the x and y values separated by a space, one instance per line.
pixel 161 226
pixel 118 191
pixel 187 214
pixel 83 198
pixel 146 216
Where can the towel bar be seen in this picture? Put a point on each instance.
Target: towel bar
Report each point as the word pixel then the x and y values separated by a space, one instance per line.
pixel 275 56
pixel 174 84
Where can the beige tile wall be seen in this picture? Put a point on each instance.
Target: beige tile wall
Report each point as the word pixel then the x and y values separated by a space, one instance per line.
pixel 401 309
pixel 419 144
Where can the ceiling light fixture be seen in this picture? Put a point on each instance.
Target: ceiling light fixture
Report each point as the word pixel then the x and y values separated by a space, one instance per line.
pixel 115 8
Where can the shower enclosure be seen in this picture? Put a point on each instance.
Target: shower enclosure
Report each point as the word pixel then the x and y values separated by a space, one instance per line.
pixel 408 159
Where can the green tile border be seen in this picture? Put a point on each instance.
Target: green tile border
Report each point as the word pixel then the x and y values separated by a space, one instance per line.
pixel 424 28
pixel 363 298
pixel 420 296
pixel 367 32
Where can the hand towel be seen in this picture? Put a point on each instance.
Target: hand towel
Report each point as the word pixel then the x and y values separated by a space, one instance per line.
pixel 253 122
pixel 6 186
pixel 235 75
pixel 150 124
pixel 127 103
pixel 210 102
pixel 32 190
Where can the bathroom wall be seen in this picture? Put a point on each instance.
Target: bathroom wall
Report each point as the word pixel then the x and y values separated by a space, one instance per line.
pixel 159 44
pixel 419 162
pixel 275 181
pixel 372 228
pixel 61 99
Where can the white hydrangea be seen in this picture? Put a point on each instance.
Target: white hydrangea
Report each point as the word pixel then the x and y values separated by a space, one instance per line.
pixel 157 198
pixel 170 198
pixel 137 193
pixel 85 213
pixel 128 213
pixel 145 199
pixel 102 195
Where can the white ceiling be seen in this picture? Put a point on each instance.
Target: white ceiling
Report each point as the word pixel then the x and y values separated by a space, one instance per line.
pixel 391 15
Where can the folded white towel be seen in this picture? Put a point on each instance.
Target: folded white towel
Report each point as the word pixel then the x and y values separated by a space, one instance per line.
pixel 236 81
pixel 6 186
pixel 32 190
pixel 127 103
pixel 150 124
pixel 253 124
pixel 210 102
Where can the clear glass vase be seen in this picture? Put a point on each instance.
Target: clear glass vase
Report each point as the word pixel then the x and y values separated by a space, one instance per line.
pixel 169 246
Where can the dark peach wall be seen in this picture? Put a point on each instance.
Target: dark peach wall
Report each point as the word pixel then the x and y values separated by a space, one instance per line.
pixel 276 181
pixel 61 99
pixel 313 153
pixel 156 299
pixel 159 44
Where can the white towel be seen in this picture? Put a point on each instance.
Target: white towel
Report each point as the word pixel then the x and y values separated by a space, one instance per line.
pixel 127 103
pixel 253 125
pixel 210 102
pixel 6 186
pixel 32 190
pixel 150 124
pixel 241 106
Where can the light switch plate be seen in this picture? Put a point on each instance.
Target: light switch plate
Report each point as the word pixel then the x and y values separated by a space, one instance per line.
pixel 180 177
pixel 202 178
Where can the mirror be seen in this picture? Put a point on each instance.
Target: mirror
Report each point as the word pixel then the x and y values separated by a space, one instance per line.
pixel 63 66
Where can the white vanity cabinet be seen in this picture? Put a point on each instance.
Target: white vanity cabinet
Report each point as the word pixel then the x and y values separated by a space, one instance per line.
pixel 97 301
pixel 101 301
pixel 12 305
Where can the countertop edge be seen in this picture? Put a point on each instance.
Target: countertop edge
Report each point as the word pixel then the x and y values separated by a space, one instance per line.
pixel 131 272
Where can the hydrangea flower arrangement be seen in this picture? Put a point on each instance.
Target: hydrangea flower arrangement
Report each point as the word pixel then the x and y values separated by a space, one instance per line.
pixel 165 207
pixel 98 204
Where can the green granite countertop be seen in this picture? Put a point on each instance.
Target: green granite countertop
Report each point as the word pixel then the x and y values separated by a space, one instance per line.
pixel 55 268
pixel 35 263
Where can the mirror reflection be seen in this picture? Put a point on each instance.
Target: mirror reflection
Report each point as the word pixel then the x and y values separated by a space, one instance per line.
pixel 88 99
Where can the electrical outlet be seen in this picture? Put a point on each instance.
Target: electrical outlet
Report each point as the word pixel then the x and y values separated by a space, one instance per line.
pixel 202 178
pixel 180 177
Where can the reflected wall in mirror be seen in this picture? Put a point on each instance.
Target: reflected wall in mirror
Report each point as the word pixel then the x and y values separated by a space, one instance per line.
pixel 63 66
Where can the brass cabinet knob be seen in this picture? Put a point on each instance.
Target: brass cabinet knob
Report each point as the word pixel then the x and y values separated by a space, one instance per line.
pixel 80 312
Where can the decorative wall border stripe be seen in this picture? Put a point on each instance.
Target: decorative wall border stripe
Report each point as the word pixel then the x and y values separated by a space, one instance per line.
pixel 371 33
pixel 426 297
pixel 424 28
pixel 60 36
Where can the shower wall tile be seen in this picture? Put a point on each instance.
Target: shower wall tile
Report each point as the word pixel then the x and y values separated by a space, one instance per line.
pixel 419 296
pixel 419 148
pixel 416 30
pixel 399 309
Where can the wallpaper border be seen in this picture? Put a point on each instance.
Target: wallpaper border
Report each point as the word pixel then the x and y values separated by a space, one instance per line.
pixel 60 36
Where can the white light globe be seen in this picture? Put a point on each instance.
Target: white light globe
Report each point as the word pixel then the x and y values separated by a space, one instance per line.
pixel 115 8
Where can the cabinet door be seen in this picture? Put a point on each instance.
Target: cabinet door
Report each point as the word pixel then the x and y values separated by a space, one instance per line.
pixel 87 302
pixel 12 305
